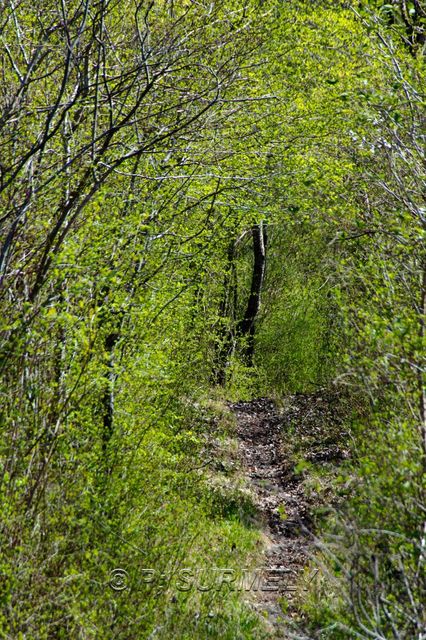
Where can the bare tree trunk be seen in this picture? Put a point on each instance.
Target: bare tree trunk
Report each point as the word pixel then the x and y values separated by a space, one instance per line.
pixel 246 327
pixel 108 395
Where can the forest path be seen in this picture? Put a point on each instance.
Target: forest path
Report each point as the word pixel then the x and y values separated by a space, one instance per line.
pixel 285 510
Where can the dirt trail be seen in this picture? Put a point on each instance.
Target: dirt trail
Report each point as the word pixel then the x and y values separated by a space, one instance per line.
pixel 279 493
pixel 280 502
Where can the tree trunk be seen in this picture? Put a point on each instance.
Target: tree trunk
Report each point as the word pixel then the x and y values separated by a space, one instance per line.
pixel 246 327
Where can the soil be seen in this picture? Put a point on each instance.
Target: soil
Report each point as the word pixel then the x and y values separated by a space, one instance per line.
pixel 271 441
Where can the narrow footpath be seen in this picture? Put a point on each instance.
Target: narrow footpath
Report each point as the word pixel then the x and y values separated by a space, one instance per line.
pixel 285 511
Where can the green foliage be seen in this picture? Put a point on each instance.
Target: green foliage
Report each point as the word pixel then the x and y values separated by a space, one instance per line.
pixel 378 564
pixel 296 343
pixel 140 144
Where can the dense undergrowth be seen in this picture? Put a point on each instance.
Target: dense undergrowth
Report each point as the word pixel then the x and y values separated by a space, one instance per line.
pixel 145 145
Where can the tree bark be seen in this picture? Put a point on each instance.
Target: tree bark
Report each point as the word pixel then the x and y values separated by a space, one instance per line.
pixel 246 327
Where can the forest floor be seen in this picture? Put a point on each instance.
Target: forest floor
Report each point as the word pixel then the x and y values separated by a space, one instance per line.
pixel 289 456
